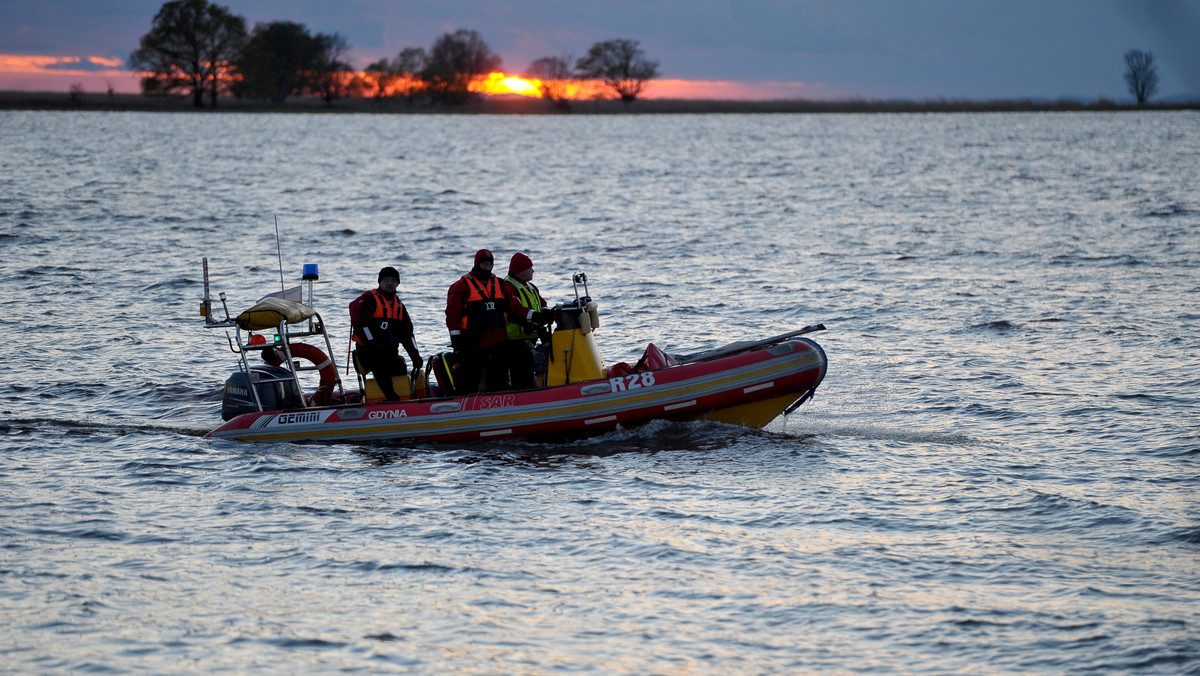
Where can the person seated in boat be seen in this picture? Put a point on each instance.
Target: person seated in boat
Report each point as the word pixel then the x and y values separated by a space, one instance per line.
pixel 523 335
pixel 380 326
pixel 478 308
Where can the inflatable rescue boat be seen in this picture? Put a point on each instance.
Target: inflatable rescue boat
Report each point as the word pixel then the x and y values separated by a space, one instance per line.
pixel 748 383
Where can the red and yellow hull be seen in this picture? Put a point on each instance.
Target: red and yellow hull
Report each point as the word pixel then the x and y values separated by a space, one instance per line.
pixel 747 388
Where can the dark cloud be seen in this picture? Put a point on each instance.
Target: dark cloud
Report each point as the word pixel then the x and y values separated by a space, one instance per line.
pixel 1175 35
pixel 870 48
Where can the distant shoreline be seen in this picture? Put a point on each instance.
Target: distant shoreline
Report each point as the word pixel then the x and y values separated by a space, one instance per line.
pixel 20 100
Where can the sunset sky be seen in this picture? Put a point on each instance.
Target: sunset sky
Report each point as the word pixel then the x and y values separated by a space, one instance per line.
pixel 720 49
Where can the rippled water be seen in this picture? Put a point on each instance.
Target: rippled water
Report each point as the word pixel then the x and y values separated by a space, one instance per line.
pixel 999 475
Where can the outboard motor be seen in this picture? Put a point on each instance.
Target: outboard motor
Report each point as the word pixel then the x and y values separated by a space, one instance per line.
pixel 276 388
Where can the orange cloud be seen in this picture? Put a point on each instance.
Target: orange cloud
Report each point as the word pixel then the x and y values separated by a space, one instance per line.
pixel 34 64
pixel 110 63
pixel 36 72
pixel 16 63
pixel 726 90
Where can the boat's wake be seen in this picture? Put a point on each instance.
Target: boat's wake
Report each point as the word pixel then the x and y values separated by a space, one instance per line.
pixel 877 432
pixel 658 436
pixel 62 427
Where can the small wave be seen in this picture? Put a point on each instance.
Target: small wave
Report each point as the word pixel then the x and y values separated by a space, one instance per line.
pixel 28 425
pixel 373 566
pixel 991 412
pixel 23 239
pixel 97 534
pixel 973 622
pixel 1022 176
pixel 53 271
pixel 1189 535
pixel 177 283
pixel 1074 259
pixel 1001 325
pixel 303 643
pixel 1168 211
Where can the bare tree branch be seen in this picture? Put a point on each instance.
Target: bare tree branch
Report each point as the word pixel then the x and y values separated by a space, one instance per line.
pixel 1141 75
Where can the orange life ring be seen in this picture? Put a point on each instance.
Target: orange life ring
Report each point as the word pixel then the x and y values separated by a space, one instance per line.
pixel 323 363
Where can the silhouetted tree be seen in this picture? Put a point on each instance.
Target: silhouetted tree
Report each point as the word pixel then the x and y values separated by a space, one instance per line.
pixel 379 78
pixel 1141 75
pixel 444 85
pixel 456 60
pixel 621 65
pixel 332 78
pixel 277 61
pixel 400 75
pixel 410 61
pixel 408 65
pixel 189 48
pixel 555 77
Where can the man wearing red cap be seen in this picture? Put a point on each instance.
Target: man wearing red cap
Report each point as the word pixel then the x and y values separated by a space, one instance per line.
pixel 478 307
pixel 522 336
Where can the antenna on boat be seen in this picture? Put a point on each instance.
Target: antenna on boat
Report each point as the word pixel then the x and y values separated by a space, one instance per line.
pixel 279 253
pixel 206 304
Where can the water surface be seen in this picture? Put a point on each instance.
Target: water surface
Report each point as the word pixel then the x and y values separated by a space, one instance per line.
pixel 999 474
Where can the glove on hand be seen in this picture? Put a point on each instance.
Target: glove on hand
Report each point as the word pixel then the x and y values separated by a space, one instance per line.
pixel 543 317
pixel 458 342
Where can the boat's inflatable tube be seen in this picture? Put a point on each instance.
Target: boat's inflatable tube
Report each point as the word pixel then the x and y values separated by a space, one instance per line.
pixel 323 363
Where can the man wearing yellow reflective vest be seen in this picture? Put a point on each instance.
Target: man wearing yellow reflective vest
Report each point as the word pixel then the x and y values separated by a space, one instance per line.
pixel 522 336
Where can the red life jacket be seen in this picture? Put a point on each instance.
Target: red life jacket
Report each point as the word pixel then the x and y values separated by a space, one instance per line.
pixel 383 319
pixel 483 308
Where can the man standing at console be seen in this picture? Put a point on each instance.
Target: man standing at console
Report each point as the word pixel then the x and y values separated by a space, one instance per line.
pixel 478 308
pixel 522 335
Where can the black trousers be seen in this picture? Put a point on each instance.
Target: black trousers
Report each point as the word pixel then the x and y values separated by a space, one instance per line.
pixel 506 365
pixel 385 362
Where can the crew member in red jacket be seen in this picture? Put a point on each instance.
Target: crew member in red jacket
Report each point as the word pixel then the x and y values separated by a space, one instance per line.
pixel 478 308
pixel 381 326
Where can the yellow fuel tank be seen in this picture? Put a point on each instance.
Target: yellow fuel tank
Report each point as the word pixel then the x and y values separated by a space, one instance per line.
pixel 574 356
